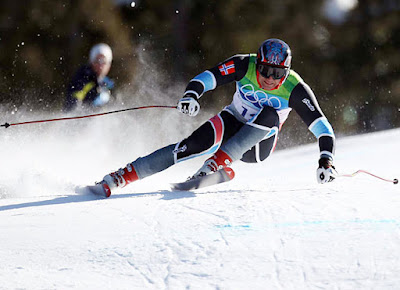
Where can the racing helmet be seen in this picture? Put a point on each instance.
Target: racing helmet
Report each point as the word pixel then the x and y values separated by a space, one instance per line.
pixel 274 57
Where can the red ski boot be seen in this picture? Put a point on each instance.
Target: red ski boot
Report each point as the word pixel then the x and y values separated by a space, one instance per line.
pixel 117 179
pixel 216 162
pixel 121 178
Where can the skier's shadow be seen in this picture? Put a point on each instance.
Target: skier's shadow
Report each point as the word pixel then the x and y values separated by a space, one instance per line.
pixel 166 195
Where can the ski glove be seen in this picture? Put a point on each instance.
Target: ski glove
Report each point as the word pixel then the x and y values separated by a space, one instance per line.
pixel 188 105
pixel 102 98
pixel 326 172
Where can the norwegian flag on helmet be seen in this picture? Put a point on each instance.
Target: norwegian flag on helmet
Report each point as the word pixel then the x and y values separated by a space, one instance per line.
pixel 227 68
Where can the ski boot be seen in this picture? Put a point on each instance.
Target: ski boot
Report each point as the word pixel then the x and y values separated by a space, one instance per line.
pixel 117 179
pixel 121 178
pixel 220 160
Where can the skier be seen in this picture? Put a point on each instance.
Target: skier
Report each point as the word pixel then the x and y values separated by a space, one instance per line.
pixel 247 129
pixel 90 87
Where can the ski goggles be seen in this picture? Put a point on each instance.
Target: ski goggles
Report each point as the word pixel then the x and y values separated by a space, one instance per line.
pixel 267 70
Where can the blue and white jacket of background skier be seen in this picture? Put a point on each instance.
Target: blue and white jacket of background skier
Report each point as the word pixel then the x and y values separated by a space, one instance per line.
pixel 249 98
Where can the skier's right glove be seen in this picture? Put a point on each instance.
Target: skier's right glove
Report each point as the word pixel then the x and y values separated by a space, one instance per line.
pixel 188 105
pixel 326 172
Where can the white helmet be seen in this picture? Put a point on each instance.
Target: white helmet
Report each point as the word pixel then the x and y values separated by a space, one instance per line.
pixel 103 49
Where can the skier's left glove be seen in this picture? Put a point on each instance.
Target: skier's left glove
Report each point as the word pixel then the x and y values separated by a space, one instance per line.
pixel 326 172
pixel 188 105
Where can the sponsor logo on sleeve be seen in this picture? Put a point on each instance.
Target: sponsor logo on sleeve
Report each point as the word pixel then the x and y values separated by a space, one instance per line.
pixel 309 105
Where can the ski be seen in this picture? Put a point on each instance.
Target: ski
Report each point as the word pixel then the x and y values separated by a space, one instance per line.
pixel 98 189
pixel 220 176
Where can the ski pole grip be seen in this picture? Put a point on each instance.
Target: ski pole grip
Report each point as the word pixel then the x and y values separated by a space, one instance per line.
pixel 395 181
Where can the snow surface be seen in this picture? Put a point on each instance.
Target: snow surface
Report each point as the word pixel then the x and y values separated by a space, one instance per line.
pixel 272 227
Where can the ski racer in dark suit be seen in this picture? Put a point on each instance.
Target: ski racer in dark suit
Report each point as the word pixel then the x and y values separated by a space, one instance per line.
pixel 90 87
pixel 247 129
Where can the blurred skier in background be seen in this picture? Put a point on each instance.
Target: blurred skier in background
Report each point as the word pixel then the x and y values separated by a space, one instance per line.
pixel 247 129
pixel 90 87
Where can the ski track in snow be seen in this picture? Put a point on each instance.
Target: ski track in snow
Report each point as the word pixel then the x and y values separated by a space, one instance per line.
pixel 272 227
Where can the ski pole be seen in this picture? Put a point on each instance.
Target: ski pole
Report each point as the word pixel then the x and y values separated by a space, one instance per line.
pixel 6 125
pixel 394 181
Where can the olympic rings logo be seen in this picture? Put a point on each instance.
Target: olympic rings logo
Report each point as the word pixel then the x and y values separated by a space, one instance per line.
pixel 259 97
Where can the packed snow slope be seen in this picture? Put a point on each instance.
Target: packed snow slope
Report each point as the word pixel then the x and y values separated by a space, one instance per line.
pixel 272 227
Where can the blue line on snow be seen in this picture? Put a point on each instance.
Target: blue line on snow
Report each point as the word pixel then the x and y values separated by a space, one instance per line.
pixel 313 223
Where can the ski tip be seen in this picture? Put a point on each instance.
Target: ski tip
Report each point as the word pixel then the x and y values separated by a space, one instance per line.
pixel 395 181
